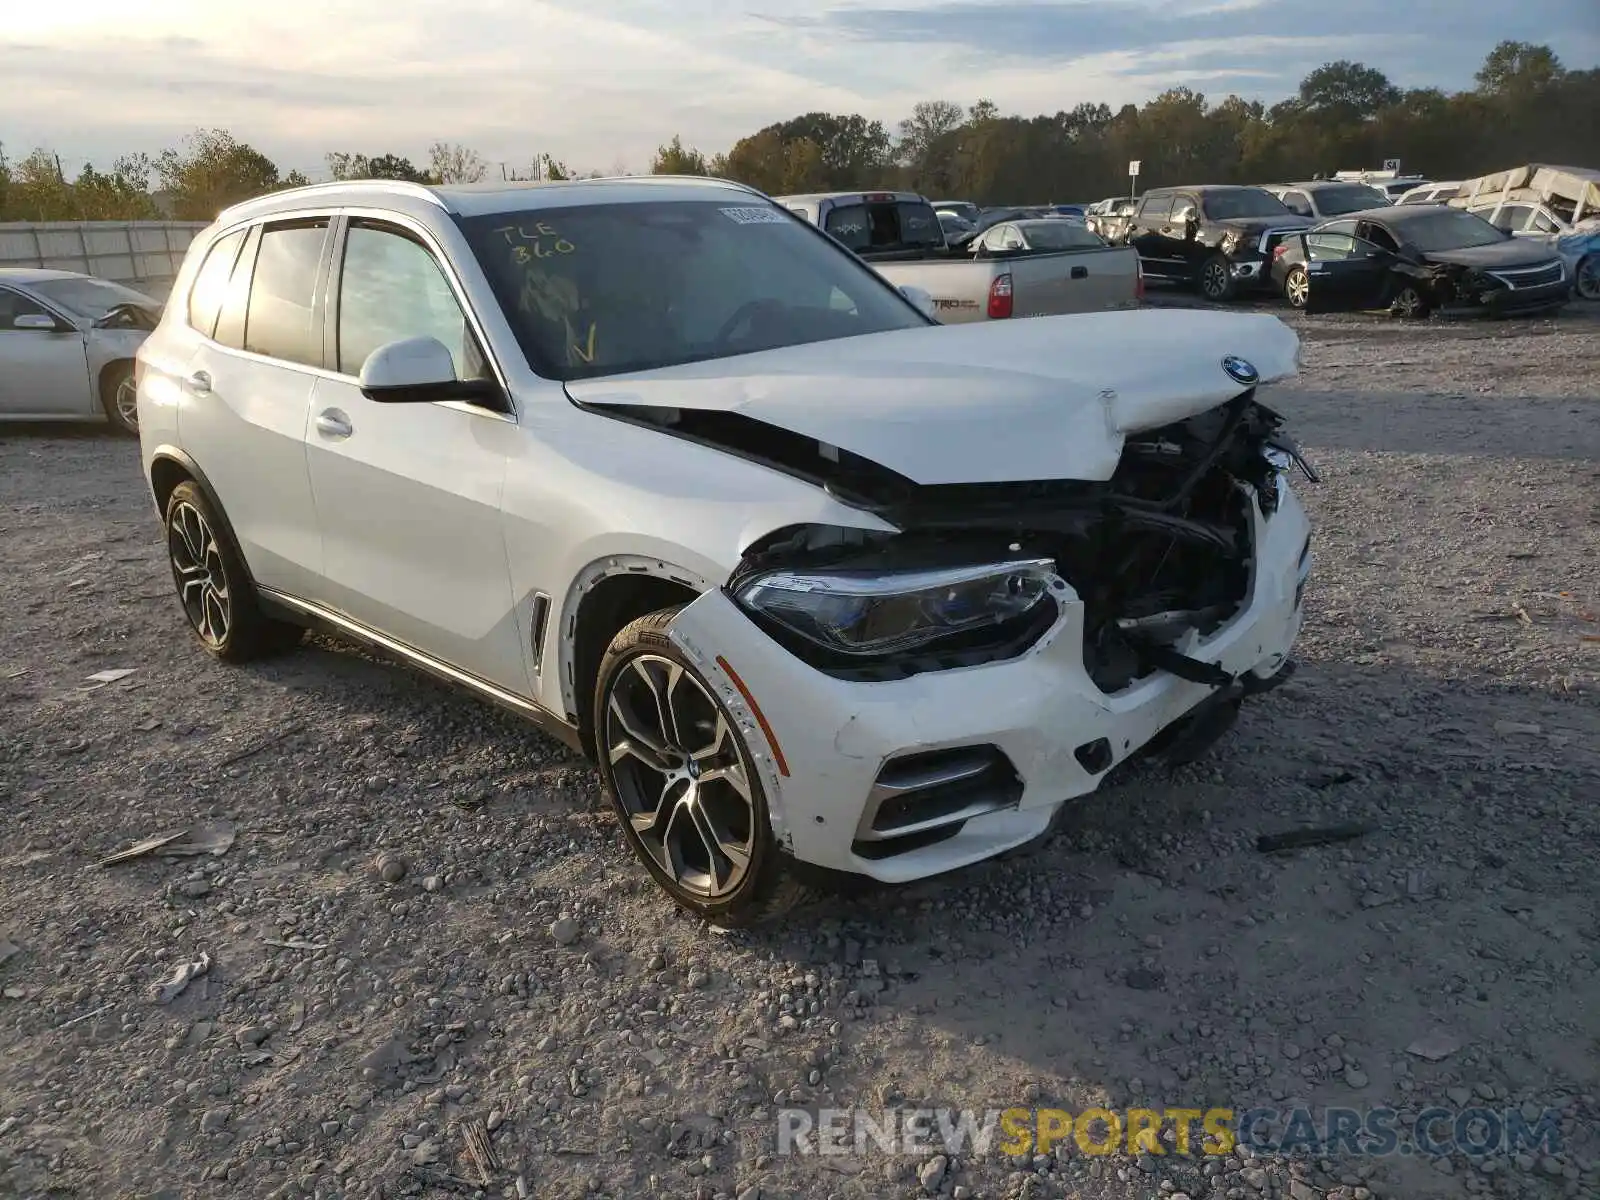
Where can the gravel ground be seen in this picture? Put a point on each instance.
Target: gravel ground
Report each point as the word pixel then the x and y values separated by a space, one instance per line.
pixel 426 919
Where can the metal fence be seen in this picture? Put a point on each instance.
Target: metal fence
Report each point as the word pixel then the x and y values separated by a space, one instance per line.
pixel 142 254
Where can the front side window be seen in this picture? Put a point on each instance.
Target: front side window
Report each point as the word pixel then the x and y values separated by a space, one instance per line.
pixel 90 299
pixel 14 305
pixel 391 288
pixel 609 288
pixel 211 282
pixel 283 293
pixel 1155 208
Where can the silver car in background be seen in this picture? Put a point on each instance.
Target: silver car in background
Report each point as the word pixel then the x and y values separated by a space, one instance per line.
pixel 67 343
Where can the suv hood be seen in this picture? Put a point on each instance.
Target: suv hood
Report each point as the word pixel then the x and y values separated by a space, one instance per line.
pixel 1513 252
pixel 1045 398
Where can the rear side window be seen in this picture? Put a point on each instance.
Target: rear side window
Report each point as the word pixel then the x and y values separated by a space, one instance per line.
pixel 283 293
pixel 230 321
pixel 1155 208
pixel 211 283
pixel 885 226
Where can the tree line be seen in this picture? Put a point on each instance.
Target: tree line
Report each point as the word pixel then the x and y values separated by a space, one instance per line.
pixel 1526 107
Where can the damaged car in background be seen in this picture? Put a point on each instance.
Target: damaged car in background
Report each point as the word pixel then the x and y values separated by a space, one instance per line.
pixel 1559 206
pixel 821 585
pixel 1416 260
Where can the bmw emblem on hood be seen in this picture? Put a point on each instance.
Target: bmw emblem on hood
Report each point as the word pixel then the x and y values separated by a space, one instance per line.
pixel 1239 370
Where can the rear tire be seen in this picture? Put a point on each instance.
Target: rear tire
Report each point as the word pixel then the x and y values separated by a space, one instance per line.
pixel 214 588
pixel 1297 287
pixel 119 396
pixel 1215 279
pixel 683 782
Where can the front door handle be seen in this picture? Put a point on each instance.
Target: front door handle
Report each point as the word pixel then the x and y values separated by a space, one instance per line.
pixel 1080 272
pixel 199 383
pixel 331 422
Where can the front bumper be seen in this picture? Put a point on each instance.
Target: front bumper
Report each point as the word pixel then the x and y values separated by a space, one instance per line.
pixel 832 753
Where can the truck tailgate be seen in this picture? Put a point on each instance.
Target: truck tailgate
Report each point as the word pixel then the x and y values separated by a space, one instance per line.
pixel 1074 281
pixel 1042 285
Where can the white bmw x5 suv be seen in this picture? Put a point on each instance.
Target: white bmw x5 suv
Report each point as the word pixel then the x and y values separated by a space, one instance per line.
pixel 816 582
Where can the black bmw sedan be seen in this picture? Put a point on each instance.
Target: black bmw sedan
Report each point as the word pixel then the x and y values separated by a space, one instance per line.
pixel 1415 260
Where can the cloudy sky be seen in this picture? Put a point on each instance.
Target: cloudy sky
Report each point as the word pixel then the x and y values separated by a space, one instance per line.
pixel 600 83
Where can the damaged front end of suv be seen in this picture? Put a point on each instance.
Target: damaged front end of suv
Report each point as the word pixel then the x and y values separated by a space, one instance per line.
pixel 1162 550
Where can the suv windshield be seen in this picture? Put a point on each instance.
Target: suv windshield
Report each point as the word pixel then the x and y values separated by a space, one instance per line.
pixel 609 288
pixel 1449 229
pixel 1243 202
pixel 1333 201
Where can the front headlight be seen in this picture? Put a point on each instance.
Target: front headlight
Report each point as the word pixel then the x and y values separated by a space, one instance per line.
pixel 858 612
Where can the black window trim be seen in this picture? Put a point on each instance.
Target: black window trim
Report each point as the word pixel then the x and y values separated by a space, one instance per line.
pixel 406 227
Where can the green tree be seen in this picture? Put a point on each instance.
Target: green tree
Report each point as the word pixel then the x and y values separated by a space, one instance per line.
pixel 383 166
pixel 212 171
pixel 1519 68
pixel 674 158
pixel 1347 91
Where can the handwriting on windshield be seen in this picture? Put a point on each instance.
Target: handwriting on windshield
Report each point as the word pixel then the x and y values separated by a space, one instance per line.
pixel 541 240
pixel 586 352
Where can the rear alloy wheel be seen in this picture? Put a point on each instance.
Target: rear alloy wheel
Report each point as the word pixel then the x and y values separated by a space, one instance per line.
pixel 119 396
pixel 214 588
pixel 1586 277
pixel 1409 303
pixel 1216 279
pixel 1297 288
pixel 683 783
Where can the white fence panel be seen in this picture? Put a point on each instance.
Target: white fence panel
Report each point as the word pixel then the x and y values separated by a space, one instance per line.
pixel 143 254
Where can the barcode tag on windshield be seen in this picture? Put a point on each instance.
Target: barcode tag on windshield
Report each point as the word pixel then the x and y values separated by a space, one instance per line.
pixel 756 216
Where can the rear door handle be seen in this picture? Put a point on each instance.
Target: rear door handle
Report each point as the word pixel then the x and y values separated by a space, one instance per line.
pixel 199 383
pixel 1080 272
pixel 331 422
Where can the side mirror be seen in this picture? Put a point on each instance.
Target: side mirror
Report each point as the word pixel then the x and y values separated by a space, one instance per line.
pixel 920 298
pixel 1410 253
pixel 418 371
pixel 40 321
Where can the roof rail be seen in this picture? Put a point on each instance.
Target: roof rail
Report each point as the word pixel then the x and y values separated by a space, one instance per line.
pixel 419 191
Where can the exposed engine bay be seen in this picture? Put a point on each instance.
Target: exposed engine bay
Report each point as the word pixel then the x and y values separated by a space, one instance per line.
pixel 1162 547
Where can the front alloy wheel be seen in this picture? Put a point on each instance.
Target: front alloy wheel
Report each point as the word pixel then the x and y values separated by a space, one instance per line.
pixel 683 783
pixel 1409 303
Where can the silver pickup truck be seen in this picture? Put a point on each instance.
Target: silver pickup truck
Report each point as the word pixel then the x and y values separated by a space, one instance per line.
pixel 1022 268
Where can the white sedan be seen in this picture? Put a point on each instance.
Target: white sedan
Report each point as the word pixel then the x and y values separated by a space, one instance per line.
pixel 67 343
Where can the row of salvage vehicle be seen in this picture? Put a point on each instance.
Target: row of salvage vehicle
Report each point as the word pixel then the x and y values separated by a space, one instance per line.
pixel 1517 242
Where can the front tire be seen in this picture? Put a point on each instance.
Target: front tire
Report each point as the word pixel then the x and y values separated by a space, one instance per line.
pixel 214 589
pixel 1215 279
pixel 119 396
pixel 1297 288
pixel 1586 277
pixel 683 782
pixel 1409 303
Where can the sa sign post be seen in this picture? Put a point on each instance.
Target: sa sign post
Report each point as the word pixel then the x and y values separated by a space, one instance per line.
pixel 1133 177
pixel 1392 165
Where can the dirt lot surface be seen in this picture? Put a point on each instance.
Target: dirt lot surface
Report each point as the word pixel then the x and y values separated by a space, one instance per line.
pixel 515 967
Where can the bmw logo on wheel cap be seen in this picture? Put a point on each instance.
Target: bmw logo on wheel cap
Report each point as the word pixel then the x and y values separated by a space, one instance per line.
pixel 1240 370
